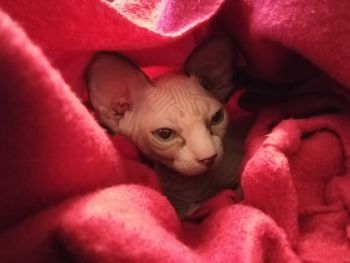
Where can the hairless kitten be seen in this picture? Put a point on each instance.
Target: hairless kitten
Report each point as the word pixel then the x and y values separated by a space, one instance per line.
pixel 179 121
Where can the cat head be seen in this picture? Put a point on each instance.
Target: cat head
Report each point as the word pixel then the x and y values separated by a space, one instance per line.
pixel 178 120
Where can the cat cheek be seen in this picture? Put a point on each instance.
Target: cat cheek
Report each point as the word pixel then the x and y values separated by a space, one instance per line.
pixel 220 151
pixel 219 148
pixel 128 127
pixel 184 157
pixel 163 152
pixel 219 131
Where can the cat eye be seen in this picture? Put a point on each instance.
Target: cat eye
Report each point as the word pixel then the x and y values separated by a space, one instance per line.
pixel 164 134
pixel 218 117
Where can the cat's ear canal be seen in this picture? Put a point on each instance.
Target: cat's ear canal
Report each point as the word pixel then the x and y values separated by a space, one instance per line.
pixel 113 84
pixel 212 62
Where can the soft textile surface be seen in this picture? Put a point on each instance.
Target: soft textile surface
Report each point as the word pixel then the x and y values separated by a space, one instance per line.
pixel 69 193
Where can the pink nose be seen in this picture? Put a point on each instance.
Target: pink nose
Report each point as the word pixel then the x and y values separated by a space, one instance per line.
pixel 208 161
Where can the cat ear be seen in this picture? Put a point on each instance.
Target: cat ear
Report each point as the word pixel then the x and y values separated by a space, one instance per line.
pixel 212 63
pixel 113 82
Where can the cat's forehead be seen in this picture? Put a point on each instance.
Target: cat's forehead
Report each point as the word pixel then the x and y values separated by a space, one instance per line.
pixel 178 89
pixel 178 82
pixel 176 100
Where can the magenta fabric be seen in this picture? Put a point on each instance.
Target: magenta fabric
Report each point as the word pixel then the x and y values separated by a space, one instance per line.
pixel 71 193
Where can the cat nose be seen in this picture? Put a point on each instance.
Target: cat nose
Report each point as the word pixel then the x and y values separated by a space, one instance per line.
pixel 208 161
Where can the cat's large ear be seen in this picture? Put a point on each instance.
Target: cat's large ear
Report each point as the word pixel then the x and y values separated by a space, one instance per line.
pixel 212 63
pixel 113 83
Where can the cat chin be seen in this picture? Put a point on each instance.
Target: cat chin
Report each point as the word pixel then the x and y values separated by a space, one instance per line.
pixel 193 169
pixel 197 171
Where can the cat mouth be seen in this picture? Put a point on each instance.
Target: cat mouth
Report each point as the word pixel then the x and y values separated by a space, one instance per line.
pixel 195 168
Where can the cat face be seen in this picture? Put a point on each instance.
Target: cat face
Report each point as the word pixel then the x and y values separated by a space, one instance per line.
pixel 177 119
pixel 178 123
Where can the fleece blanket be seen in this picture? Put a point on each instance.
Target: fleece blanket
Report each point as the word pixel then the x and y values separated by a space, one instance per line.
pixel 71 193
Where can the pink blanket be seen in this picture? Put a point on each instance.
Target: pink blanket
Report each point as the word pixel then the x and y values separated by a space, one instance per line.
pixel 70 193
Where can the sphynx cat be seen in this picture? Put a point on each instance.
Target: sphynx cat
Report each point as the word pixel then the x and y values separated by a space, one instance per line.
pixel 179 121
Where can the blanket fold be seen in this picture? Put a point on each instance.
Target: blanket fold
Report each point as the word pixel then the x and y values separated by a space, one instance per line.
pixel 47 135
pixel 298 170
pixel 69 192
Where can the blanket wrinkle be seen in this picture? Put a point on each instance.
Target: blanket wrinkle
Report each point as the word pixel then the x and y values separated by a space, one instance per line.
pixel 289 31
pixel 69 192
pixel 47 135
pixel 312 191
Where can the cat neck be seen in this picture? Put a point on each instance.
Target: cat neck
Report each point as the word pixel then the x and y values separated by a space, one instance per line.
pixel 186 192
